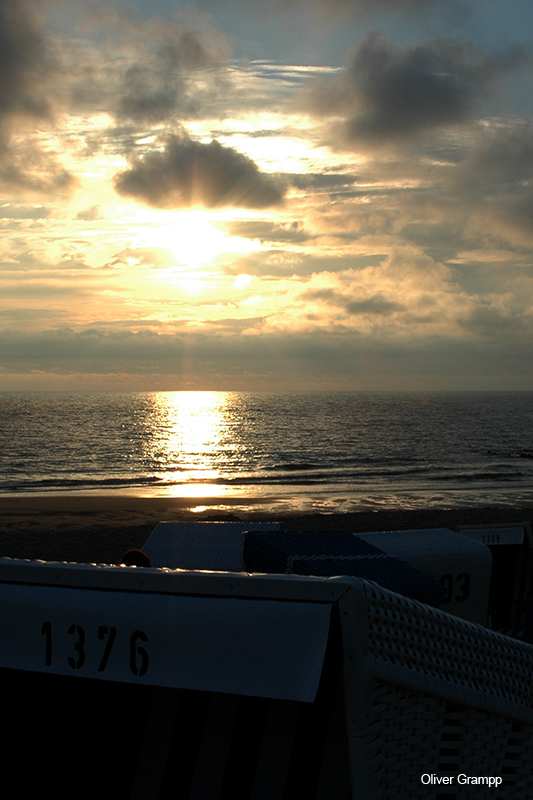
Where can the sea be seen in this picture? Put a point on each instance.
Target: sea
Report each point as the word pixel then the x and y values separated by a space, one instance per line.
pixel 292 451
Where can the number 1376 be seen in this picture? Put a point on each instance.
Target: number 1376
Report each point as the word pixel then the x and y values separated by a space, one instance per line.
pixel 106 634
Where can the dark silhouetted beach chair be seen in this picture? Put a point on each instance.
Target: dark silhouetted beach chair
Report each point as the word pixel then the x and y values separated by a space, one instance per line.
pixel 461 565
pixel 155 683
pixel 201 545
pixel 511 588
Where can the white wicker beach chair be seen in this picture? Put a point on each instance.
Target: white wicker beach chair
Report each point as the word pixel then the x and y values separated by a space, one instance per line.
pixel 221 686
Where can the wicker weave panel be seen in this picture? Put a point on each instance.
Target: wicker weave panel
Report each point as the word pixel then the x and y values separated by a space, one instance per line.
pixel 411 733
pixel 428 642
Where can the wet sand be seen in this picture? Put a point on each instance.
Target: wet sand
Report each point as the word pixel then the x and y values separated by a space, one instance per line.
pixel 99 528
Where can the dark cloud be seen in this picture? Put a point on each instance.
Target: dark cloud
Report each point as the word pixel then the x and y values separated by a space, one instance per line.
pixel 40 289
pixel 349 357
pixel 488 195
pixel 142 99
pixel 28 168
pixel 28 67
pixel 389 93
pixel 188 173
pixel 269 231
pixel 327 181
pixel 497 179
pixel 501 158
pixel 155 88
pixel 517 217
pixel 492 323
pixel 329 296
pixel 149 67
pixel 484 193
pixel 24 57
pixel 439 239
pixel 376 305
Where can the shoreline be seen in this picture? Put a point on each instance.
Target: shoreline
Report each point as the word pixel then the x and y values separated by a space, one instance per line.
pixel 99 528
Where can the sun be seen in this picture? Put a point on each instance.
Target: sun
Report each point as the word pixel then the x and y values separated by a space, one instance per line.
pixel 191 236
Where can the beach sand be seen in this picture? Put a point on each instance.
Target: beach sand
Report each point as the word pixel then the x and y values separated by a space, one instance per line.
pixel 99 528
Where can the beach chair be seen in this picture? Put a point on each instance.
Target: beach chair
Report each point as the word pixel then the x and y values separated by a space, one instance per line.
pixel 201 545
pixel 461 564
pixel 511 589
pixel 151 683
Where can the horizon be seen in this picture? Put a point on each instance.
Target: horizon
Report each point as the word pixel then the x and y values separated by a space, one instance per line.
pixel 267 391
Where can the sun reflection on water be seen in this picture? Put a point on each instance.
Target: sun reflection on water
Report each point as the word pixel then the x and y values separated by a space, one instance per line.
pixel 191 428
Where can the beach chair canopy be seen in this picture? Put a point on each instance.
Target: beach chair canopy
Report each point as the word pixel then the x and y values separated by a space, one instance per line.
pixel 201 545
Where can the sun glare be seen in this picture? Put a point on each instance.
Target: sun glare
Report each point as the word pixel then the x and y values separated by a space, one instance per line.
pixel 191 426
pixel 191 237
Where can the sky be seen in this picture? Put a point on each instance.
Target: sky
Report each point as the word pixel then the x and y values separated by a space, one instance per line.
pixel 234 195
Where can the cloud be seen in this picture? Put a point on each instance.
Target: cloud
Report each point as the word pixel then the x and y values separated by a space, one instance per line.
pixel 9 211
pixel 335 183
pixel 231 360
pixel 269 231
pixel 89 214
pixel 494 323
pixel 23 58
pixel 188 173
pixel 145 256
pixel 155 88
pixel 484 196
pixel 376 305
pixel 496 181
pixel 502 157
pixel 379 6
pixel 28 68
pixel 389 94
pixel 26 166
pixel 357 8
pixel 146 71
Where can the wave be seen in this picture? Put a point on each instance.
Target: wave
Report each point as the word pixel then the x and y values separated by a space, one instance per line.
pixel 479 476
pixel 47 484
pixel 296 467
pixel 302 444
